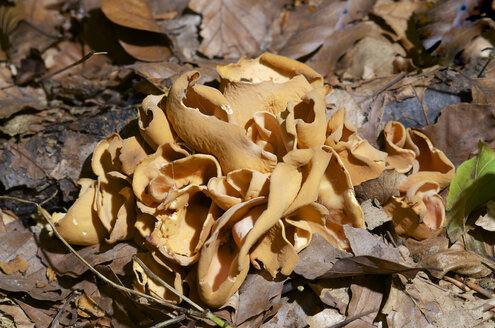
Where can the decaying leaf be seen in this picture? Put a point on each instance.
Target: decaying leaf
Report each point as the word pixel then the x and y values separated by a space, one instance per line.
pixel 462 262
pixel 487 221
pixel 471 187
pixel 363 265
pixel 232 28
pixel 318 258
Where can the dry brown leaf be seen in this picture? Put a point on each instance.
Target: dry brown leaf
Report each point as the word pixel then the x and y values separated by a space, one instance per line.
pixel 396 15
pixel 487 221
pixel 43 14
pixel 364 265
pixel 318 258
pixel 421 249
pixel 232 28
pixel 14 99
pixel 454 131
pixel 333 292
pixel 135 14
pixel 256 295
pixel 302 30
pixel 381 188
pixel 324 318
pixel 461 262
pixel 142 45
pixel 367 294
pixel 372 57
pixel 420 303
pixel 340 42
pixel 290 313
pixel 374 215
pixel 364 243
pixel 68 264
pixel 12 316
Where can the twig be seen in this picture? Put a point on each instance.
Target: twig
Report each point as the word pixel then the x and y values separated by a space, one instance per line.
pixel 61 310
pixel 170 321
pixel 164 283
pixel 153 276
pixel 478 288
pixel 47 216
pixel 490 58
pixel 423 106
pixel 457 283
pixel 80 61
pixel 358 316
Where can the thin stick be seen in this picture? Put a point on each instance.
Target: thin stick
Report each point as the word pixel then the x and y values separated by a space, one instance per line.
pixel 164 283
pixel 61 310
pixel 153 276
pixel 457 283
pixel 46 215
pixel 478 288
pixel 358 316
pixel 80 61
pixel 170 321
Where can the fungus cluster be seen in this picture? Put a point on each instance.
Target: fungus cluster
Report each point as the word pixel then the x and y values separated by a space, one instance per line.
pixel 221 180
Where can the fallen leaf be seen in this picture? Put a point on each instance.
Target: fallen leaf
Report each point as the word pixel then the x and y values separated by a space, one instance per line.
pixel 232 28
pixel 421 249
pixel 14 99
pixel 401 309
pixel 364 243
pixel 396 15
pixel 487 221
pixel 302 30
pixel 367 294
pixel 461 262
pixel 324 318
pixel 147 46
pixel 318 258
pixel 338 43
pixel 374 215
pixel 134 14
pixel 12 316
pixel 41 317
pixel 371 57
pixel 428 301
pixel 54 254
pixel 381 188
pixel 471 187
pixel 256 295
pixel 159 74
pixel 86 306
pixel 18 264
pixel 363 265
pixel 454 133
pixel 43 14
pixel 333 292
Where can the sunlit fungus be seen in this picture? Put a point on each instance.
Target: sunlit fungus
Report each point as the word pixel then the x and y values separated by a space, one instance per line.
pixel 216 182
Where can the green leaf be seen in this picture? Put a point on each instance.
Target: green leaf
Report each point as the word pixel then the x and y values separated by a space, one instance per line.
pixel 472 186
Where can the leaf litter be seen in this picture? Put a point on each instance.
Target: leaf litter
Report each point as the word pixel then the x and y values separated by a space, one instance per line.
pixel 384 60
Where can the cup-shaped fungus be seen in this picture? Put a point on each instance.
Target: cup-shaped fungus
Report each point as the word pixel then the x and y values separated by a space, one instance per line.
pixel 238 186
pixel 147 284
pixel 153 124
pixel 399 158
pixel 362 161
pixel 184 224
pixel 420 213
pixel 149 168
pixel 430 163
pixel 266 83
pixel 81 225
pixel 202 117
